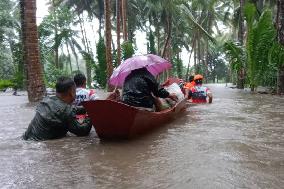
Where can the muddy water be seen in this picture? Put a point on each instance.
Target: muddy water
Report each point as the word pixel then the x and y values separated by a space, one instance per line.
pixel 236 142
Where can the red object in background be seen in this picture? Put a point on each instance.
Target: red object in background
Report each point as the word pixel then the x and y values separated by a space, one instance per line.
pixel 170 81
pixel 115 120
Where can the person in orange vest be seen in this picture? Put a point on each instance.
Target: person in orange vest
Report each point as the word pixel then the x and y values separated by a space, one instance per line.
pixel 199 93
pixel 188 85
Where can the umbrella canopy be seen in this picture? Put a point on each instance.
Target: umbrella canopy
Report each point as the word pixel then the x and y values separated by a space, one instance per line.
pixel 153 63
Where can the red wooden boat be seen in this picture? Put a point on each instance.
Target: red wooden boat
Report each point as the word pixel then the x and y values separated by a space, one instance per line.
pixel 115 120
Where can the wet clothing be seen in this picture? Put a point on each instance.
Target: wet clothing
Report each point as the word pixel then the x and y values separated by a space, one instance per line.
pixel 83 94
pixel 53 119
pixel 189 85
pixel 138 88
pixel 199 94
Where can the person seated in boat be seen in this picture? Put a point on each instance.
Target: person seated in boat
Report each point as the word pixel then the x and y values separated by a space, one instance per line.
pixel 83 94
pixel 188 85
pixel 115 95
pixel 199 93
pixel 140 89
pixel 55 115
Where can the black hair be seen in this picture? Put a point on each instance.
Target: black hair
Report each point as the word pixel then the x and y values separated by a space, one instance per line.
pixel 198 81
pixel 191 78
pixel 79 79
pixel 64 84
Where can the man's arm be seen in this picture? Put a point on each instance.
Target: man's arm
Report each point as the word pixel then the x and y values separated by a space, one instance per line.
pixel 209 95
pixel 75 127
pixel 154 87
pixel 93 95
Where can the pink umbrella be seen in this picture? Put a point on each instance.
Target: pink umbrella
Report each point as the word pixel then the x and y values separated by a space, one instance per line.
pixel 153 63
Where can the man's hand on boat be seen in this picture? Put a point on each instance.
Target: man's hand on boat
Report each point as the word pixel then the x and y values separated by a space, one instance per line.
pixel 210 97
pixel 173 96
pixel 115 95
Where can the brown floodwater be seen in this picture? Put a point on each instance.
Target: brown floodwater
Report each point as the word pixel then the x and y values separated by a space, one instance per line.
pixel 236 142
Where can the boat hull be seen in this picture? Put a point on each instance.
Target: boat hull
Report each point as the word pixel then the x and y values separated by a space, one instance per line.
pixel 115 120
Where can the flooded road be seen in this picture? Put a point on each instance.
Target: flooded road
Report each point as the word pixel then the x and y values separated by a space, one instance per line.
pixel 236 142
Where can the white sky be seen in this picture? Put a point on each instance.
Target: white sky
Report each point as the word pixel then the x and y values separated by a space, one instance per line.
pixel 42 10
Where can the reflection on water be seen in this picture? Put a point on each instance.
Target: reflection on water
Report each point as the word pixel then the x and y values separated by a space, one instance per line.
pixel 236 142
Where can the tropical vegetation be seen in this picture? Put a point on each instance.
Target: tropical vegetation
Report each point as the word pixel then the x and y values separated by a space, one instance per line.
pixel 225 40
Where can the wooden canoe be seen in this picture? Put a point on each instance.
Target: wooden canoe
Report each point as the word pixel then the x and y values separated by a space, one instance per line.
pixel 115 120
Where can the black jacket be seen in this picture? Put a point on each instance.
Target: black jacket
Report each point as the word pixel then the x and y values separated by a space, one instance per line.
pixel 53 119
pixel 138 88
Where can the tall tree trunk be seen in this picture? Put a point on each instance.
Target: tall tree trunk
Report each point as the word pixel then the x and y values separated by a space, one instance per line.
pixel 157 31
pixel 82 32
pixel 69 58
pixel 280 30
pixel 241 23
pixel 35 84
pixel 199 54
pixel 118 31
pixel 195 57
pixel 56 50
pixel 169 33
pixel 192 49
pixel 87 50
pixel 101 14
pixel 260 5
pixel 108 40
pixel 88 66
pixel 124 19
pixel 241 72
pixel 75 54
pixel 209 30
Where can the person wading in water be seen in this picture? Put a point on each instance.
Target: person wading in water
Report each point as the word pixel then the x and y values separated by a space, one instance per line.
pixel 55 115
pixel 199 93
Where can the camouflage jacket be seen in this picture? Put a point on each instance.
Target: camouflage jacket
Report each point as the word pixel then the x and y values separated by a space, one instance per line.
pixel 53 119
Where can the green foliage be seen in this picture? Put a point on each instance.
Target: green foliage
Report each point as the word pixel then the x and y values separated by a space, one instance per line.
pixel 114 58
pixel 100 68
pixel 88 58
pixel 151 47
pixel 217 69
pixel 261 36
pixel 7 68
pixel 276 61
pixel 250 14
pixel 177 69
pixel 51 75
pixel 55 32
pixel 9 23
pixel 6 84
pixel 18 79
pixel 127 50
pixel 236 54
pixel 276 56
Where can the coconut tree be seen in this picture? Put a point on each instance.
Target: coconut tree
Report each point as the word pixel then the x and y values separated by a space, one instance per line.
pixel 35 84
pixel 108 39
pixel 124 19
pixel 241 72
pixel 118 17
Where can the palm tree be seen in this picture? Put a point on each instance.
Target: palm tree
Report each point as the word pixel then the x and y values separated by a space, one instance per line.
pixel 35 84
pixel 124 19
pixel 241 73
pixel 118 5
pixel 108 39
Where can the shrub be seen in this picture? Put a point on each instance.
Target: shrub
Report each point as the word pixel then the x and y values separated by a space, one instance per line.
pixel 6 84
